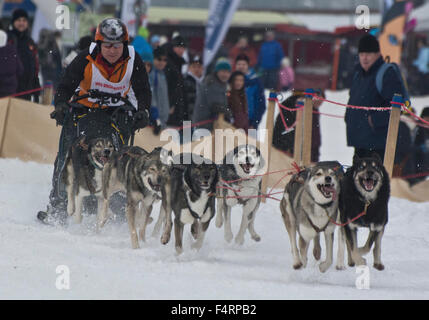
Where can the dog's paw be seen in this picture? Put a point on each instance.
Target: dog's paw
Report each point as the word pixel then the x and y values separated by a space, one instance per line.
pixel 298 266
pixel 379 266
pixel 196 245
pixel 360 262
pixel 324 266
pixel 179 250
pixel 340 267
pixel 165 238
pixel 256 237
pixel 239 240
pixel 219 221
pixel 228 236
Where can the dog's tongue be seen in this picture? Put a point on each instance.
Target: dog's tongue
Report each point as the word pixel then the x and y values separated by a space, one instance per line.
pixel 328 189
pixel 369 184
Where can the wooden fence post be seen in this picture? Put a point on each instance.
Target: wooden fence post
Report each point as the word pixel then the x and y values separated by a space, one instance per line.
pixel 269 138
pixel 47 94
pixel 297 146
pixel 392 133
pixel 308 128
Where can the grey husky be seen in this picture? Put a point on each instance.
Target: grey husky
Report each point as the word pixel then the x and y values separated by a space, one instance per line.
pixel 309 205
pixel 240 184
pixel 83 172
pixel 145 179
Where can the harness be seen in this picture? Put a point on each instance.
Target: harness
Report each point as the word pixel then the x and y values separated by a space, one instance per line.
pixel 193 213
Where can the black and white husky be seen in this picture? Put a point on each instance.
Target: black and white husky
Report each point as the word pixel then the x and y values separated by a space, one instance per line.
pixel 240 184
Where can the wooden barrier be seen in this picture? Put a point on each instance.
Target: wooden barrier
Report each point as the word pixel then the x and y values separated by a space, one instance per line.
pixel 308 128
pixel 392 134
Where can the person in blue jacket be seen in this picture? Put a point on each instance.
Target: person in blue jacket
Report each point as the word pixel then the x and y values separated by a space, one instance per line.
pixel 367 130
pixel 269 60
pixel 254 91
pixel 140 43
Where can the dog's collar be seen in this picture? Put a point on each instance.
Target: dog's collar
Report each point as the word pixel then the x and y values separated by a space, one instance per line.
pixel 91 160
pixel 193 213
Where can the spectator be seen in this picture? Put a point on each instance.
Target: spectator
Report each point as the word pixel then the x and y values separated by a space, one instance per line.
pixel 10 66
pixel 160 106
pixel 237 101
pixel 421 65
pixel 148 61
pixel 422 145
pixel 284 138
pixel 27 53
pixel 50 57
pixel 211 96
pixel 270 56
pixel 286 75
pixel 242 47
pixel 254 91
pixel 140 43
pixel 173 71
pixel 367 129
pixel 193 78
pixel 155 41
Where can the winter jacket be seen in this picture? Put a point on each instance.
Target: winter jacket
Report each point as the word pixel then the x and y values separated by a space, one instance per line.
pixel 270 55
pixel 190 86
pixel 10 69
pixel 237 102
pixel 286 77
pixel 211 96
pixel 363 92
pixel 49 58
pixel 422 146
pixel 255 99
pixel 160 101
pixel 27 53
pixel 141 45
pixel 75 73
pixel 248 51
pixel 176 87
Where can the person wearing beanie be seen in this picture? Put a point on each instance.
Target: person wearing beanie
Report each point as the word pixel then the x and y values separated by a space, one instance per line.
pixel 18 35
pixel 192 79
pixel 211 96
pixel 254 91
pixel 367 130
pixel 175 50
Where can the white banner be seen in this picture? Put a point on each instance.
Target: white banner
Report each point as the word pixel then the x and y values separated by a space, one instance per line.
pixel 220 16
pixel 128 14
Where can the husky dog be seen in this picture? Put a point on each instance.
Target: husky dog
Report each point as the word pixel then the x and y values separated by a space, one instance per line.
pixel 83 174
pixel 309 205
pixel 240 184
pixel 193 188
pixel 364 189
pixel 145 178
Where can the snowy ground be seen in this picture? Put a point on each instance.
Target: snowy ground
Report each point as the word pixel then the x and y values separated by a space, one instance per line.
pixel 105 267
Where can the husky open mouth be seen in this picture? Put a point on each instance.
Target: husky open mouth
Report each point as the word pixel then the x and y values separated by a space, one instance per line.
pixel 156 187
pixel 204 185
pixel 247 167
pixel 327 190
pixel 101 159
pixel 368 183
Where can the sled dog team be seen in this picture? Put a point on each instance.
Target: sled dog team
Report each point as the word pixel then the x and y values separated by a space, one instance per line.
pixel 315 200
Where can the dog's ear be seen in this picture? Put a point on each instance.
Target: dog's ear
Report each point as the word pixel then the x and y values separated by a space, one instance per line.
pixel 82 143
pixel 355 159
pixel 376 156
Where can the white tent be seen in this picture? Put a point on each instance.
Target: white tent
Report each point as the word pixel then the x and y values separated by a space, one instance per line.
pixel 421 14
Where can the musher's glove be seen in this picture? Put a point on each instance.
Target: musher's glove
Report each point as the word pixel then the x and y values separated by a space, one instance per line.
pixel 60 112
pixel 141 119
